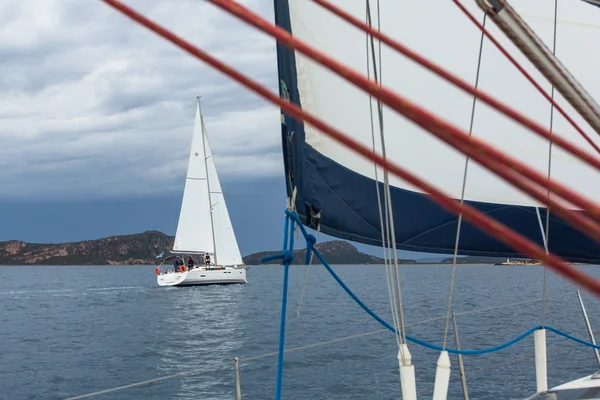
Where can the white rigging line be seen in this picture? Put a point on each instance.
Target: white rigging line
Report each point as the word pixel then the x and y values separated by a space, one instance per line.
pixel 388 198
pixel 554 20
pixel 462 193
pixel 384 231
pixel 546 234
pixel 312 255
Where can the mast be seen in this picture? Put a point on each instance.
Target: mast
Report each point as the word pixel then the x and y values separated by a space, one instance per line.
pixel 210 205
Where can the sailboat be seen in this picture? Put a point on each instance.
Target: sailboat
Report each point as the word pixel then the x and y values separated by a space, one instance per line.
pixel 205 250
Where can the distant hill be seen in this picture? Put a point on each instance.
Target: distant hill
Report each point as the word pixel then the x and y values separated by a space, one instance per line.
pixel 432 260
pixel 139 248
pixel 335 252
pixel 142 249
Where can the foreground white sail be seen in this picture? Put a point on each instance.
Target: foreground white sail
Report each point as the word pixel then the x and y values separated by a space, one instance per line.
pixel 339 192
pixel 205 250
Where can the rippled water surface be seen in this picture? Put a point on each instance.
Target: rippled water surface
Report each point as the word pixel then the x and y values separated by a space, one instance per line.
pixel 67 331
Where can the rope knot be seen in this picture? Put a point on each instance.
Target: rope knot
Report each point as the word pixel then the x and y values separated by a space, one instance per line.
pixel 310 242
pixel 288 257
pixel 273 257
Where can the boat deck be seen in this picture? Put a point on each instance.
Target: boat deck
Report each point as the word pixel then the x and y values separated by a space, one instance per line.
pixel 584 388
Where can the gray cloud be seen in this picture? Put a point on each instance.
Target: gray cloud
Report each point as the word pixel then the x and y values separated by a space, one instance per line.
pixel 93 105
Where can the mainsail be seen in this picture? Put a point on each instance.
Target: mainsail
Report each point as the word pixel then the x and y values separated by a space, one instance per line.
pixel 194 233
pixel 336 188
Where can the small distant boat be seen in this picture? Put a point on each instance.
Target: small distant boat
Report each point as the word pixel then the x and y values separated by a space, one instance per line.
pixel 205 250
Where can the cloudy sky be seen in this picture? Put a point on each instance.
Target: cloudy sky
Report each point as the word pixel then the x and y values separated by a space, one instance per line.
pixel 95 106
pixel 96 115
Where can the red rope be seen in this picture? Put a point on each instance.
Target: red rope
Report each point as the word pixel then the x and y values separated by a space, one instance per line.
pixel 467 87
pixel 447 132
pixel 526 74
pixel 478 219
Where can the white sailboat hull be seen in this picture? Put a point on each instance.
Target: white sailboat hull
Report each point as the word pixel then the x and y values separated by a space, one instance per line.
pixel 202 276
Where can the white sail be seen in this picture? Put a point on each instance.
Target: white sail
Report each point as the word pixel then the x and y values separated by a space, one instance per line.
pixel 227 250
pixel 194 233
pixel 445 36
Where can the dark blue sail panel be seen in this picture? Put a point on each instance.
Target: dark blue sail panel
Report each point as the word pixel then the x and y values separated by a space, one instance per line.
pixel 349 210
pixel 344 202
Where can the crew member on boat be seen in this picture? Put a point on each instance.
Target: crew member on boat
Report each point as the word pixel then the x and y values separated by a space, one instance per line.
pixel 207 260
pixel 177 262
pixel 190 262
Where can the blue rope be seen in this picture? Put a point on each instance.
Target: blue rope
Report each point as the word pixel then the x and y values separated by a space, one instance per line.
pixel 571 337
pixel 287 257
pixel 310 246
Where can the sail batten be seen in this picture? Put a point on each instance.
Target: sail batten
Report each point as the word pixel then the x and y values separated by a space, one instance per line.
pixel 340 185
